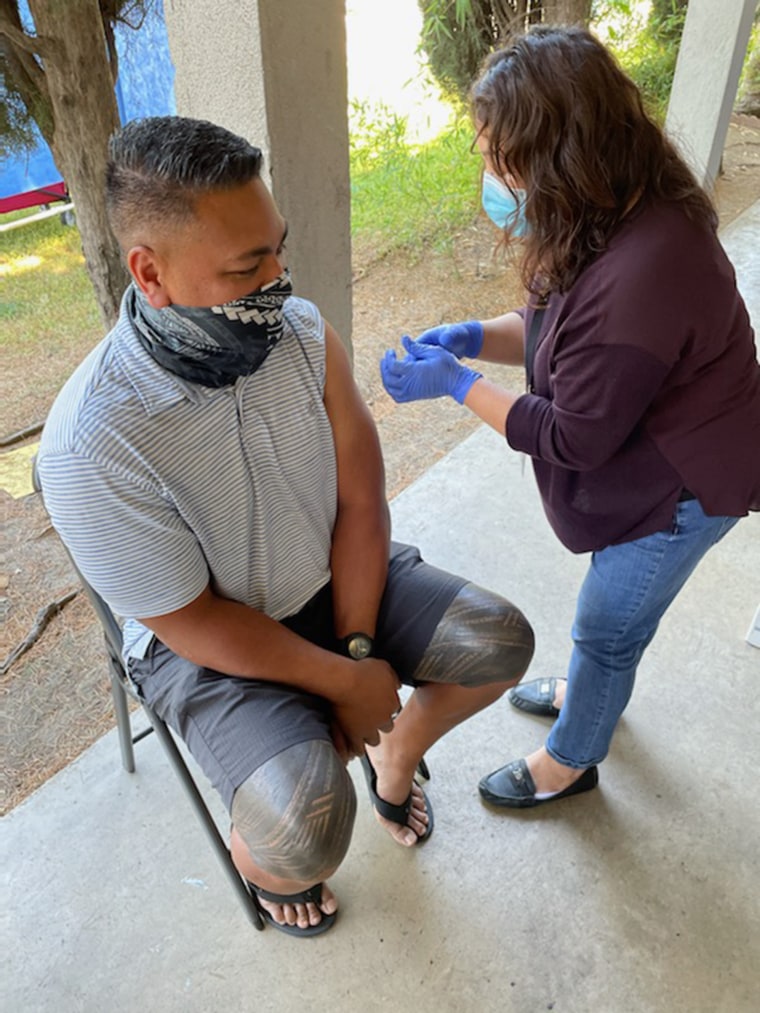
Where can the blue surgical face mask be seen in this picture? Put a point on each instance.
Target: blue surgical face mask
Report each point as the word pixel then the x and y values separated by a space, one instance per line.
pixel 504 210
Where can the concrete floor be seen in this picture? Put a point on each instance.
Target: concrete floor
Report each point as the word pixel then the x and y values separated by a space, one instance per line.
pixel 640 896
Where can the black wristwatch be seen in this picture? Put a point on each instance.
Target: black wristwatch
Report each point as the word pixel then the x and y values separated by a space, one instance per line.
pixel 358 645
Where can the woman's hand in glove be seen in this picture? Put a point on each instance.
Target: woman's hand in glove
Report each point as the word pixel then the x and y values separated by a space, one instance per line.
pixel 463 340
pixel 426 371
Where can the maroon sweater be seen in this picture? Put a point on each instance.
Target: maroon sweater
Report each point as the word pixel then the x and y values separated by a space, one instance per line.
pixel 646 382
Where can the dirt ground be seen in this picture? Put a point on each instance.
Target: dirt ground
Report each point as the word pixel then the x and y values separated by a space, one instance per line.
pixel 55 697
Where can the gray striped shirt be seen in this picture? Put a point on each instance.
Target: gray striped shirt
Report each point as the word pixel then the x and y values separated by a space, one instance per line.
pixel 158 486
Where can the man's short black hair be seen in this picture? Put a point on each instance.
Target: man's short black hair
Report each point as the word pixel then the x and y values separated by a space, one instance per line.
pixel 158 166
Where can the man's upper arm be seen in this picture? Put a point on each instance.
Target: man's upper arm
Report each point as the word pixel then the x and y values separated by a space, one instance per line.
pixel 128 542
pixel 357 447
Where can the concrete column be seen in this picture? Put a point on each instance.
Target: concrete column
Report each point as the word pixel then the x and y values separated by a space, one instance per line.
pixel 274 71
pixel 715 38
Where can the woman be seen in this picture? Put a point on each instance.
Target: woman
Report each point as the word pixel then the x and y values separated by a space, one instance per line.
pixel 642 413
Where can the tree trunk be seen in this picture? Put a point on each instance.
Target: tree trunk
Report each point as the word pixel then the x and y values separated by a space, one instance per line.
pixel 567 12
pixel 85 114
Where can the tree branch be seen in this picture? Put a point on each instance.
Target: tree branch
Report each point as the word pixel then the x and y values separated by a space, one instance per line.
pixel 25 75
pixel 43 618
pixel 33 44
pixel 28 80
pixel 21 434
pixel 113 55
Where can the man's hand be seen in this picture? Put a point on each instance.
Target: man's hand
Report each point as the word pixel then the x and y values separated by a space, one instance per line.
pixel 367 708
pixel 463 340
pixel 426 371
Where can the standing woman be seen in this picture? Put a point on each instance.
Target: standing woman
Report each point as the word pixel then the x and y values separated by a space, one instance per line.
pixel 642 413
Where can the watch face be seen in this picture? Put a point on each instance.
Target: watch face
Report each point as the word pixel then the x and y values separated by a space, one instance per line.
pixel 359 646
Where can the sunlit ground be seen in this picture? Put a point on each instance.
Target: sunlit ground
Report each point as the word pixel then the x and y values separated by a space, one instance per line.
pixel 23 263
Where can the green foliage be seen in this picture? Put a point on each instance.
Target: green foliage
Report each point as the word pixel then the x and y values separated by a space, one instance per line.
pixel 646 49
pixel 749 83
pixel 666 18
pixel 652 65
pixel 456 37
pixel 376 133
pixel 16 125
pixel 408 195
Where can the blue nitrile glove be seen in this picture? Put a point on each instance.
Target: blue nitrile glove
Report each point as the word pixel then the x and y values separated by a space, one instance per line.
pixel 426 371
pixel 465 339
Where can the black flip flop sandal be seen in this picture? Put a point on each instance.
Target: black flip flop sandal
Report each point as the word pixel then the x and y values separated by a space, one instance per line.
pixel 313 895
pixel 395 813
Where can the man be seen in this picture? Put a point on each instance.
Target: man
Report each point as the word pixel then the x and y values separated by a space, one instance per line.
pixel 217 478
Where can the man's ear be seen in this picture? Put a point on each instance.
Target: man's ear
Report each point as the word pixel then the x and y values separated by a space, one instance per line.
pixel 145 268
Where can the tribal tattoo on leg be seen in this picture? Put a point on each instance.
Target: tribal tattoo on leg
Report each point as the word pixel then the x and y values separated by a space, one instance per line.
pixel 482 638
pixel 296 812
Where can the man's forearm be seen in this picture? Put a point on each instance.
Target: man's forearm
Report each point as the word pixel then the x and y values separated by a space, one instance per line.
pixel 235 639
pixel 359 564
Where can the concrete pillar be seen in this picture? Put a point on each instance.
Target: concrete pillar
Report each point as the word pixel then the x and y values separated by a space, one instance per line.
pixel 715 38
pixel 274 71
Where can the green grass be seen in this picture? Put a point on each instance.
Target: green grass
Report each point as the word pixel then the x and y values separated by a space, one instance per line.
pixel 47 299
pixel 409 196
pixel 49 317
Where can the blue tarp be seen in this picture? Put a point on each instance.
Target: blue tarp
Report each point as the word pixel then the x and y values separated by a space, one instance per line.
pixel 145 87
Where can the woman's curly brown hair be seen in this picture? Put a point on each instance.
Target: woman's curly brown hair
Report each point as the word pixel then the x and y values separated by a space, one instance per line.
pixel 561 116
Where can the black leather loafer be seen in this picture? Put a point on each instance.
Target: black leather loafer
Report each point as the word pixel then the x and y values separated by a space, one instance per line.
pixel 535 697
pixel 513 787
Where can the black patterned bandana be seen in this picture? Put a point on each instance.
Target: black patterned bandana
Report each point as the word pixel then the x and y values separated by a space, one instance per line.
pixel 212 345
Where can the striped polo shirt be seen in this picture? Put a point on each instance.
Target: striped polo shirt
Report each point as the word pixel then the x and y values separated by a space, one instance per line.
pixel 159 487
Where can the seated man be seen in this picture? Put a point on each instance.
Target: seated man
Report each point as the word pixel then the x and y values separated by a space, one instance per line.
pixel 217 478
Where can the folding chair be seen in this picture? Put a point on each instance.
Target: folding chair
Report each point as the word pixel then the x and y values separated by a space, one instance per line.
pixel 122 689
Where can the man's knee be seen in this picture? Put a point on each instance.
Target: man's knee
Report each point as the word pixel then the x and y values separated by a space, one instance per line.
pixel 296 812
pixel 482 638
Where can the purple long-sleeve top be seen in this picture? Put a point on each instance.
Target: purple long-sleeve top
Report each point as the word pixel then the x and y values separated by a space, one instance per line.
pixel 646 382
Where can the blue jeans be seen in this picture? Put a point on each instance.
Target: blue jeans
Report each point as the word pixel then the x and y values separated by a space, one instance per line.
pixel 623 597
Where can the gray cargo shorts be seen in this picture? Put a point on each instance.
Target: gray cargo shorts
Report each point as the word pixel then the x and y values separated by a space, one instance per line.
pixel 232 725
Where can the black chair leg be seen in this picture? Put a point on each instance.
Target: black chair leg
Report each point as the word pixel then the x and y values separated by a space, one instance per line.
pixel 220 849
